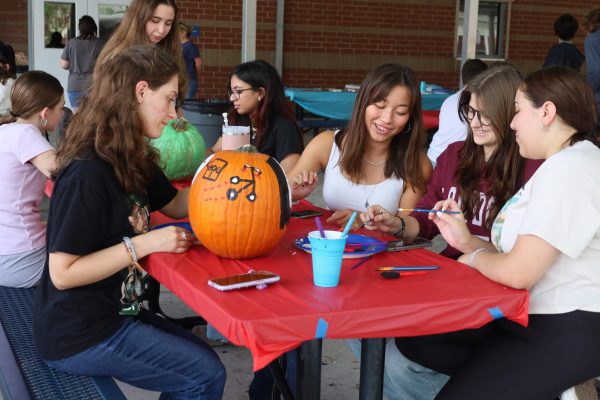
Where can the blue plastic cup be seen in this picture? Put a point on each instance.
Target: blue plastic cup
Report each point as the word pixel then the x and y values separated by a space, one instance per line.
pixel 327 254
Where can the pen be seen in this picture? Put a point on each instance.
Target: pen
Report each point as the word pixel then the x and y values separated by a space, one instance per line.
pixel 410 268
pixel 423 210
pixel 359 263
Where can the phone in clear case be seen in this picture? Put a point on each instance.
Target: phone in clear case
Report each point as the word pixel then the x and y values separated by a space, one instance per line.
pixel 252 278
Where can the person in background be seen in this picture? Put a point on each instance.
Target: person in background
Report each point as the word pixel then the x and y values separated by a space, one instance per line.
pixel 26 160
pixel 258 98
pixel 480 173
pixel 378 157
pixel 565 52
pixel 79 57
pixel 87 317
pixel 7 76
pixel 153 22
pixel 591 23
pixel 192 59
pixel 56 41
pixel 451 127
pixel 540 246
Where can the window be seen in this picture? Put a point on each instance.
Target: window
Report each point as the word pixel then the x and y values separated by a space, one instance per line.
pixel 109 18
pixel 492 29
pixel 59 23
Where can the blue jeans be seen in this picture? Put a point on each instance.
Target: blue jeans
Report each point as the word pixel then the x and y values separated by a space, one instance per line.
pixel 74 98
pixel 192 89
pixel 154 354
pixel 404 379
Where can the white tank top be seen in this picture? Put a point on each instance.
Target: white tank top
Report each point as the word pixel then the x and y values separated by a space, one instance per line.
pixel 339 193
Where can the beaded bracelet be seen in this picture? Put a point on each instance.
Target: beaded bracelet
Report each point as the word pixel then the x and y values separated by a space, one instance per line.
pixel 400 230
pixel 474 254
pixel 131 252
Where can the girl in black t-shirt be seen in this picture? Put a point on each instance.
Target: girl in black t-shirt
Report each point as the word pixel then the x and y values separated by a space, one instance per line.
pixel 256 92
pixel 87 317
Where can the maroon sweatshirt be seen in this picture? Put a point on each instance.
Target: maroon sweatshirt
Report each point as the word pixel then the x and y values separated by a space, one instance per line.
pixel 442 185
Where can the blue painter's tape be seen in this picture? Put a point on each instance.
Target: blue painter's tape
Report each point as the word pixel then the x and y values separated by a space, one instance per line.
pixel 495 312
pixel 321 329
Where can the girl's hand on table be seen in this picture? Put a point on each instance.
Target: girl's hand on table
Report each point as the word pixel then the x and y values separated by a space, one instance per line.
pixel 170 239
pixel 303 184
pixel 377 218
pixel 453 227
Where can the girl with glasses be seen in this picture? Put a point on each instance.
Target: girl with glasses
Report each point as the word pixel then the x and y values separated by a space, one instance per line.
pixel 88 318
pixel 258 99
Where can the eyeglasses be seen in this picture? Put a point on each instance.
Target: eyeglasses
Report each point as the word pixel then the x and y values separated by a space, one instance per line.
pixel 470 113
pixel 236 93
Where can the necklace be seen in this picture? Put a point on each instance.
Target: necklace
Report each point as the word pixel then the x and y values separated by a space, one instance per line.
pixel 372 163
pixel 367 204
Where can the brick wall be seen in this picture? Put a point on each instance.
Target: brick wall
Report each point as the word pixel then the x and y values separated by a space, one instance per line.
pixel 329 43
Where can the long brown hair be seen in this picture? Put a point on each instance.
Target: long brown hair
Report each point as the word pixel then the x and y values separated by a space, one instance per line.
pixel 406 148
pixel 572 96
pixel 257 74
pixel 108 123
pixel 132 31
pixel 495 89
pixel 31 93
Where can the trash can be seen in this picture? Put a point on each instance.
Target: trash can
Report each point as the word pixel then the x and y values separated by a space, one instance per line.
pixel 207 116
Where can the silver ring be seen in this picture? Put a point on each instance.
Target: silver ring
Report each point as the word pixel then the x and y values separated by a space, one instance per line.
pixel 183 235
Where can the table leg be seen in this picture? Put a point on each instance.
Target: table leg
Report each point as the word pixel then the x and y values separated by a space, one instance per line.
pixel 372 358
pixel 282 383
pixel 308 378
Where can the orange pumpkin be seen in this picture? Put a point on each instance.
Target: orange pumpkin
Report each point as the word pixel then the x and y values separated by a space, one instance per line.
pixel 239 204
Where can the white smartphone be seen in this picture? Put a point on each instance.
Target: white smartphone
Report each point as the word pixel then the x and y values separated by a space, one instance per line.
pixel 252 278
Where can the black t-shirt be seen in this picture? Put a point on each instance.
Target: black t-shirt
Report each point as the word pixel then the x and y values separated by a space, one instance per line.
pixel 89 211
pixel 282 139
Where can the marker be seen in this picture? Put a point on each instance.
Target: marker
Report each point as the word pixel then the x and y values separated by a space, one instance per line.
pixel 423 210
pixel 410 268
pixel 395 275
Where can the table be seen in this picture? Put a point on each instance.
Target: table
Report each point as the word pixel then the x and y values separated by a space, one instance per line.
pixel 336 106
pixel 293 311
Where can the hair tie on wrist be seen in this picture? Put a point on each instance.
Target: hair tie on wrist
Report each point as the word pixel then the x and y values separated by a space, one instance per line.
pixel 400 231
pixel 474 254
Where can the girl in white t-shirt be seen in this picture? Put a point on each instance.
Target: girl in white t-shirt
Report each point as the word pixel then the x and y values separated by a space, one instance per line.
pixel 546 239
pixel 26 160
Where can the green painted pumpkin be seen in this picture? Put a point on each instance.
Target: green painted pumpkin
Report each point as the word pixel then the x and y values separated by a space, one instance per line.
pixel 181 149
pixel 239 203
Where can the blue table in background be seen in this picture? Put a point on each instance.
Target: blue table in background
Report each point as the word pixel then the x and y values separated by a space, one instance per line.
pixel 336 107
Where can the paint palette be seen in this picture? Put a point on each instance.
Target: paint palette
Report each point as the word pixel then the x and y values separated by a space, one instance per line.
pixel 357 246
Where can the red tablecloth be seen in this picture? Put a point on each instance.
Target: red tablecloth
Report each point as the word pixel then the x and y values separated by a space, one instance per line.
pixel 364 305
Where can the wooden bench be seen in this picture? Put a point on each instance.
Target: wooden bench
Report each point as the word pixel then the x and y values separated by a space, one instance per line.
pixel 23 374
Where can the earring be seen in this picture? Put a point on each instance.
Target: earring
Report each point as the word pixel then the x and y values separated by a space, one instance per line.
pixel 44 121
pixel 259 98
pixel 407 130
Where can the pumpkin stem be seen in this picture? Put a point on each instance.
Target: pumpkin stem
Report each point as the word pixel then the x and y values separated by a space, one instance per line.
pixel 247 148
pixel 180 124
